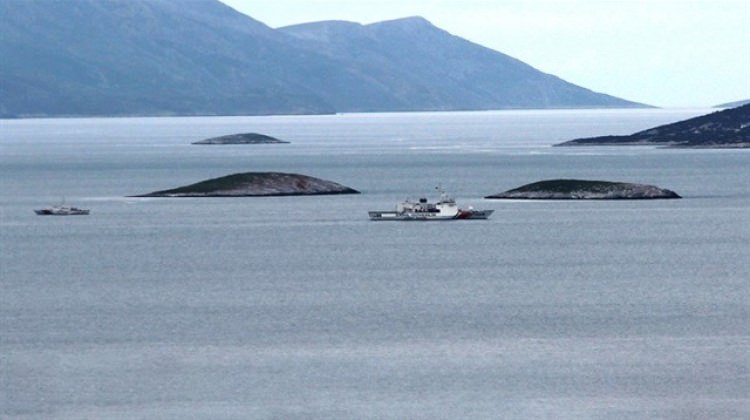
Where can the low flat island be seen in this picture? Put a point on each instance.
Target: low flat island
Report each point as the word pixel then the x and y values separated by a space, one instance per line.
pixel 576 189
pixel 242 138
pixel 256 184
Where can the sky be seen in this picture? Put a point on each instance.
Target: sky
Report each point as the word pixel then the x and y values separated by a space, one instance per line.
pixel 667 53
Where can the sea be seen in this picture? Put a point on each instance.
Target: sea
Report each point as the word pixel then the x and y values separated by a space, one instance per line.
pixel 302 308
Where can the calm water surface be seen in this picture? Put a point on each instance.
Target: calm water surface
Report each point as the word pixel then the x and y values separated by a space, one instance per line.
pixel 299 307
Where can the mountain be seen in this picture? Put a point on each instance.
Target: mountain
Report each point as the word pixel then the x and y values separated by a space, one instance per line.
pixel 200 57
pixel 729 128
pixel 425 67
pixel 119 57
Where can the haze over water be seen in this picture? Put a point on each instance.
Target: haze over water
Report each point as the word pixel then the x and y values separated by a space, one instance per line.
pixel 300 307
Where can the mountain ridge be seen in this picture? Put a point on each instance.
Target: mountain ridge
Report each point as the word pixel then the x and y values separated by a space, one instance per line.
pixel 728 128
pixel 201 57
pixel 479 77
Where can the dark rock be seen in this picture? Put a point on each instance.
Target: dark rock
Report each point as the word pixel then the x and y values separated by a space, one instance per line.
pixel 256 184
pixel 729 128
pixel 246 138
pixel 575 189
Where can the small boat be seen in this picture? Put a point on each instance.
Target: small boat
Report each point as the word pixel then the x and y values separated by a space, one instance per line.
pixel 62 210
pixel 445 209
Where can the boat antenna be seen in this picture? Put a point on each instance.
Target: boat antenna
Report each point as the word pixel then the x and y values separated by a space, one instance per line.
pixel 443 195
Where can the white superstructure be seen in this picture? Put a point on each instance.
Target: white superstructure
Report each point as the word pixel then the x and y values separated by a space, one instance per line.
pixel 444 209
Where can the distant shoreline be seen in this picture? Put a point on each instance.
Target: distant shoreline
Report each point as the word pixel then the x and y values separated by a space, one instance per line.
pixel 718 129
pixel 441 111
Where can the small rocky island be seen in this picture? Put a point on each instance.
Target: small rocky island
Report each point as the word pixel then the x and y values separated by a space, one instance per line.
pixel 242 138
pixel 729 128
pixel 256 184
pixel 576 189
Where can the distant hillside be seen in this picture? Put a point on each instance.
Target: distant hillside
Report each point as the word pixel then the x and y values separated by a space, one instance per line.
pixel 150 57
pixel 733 104
pixel 729 128
pixel 200 57
pixel 425 67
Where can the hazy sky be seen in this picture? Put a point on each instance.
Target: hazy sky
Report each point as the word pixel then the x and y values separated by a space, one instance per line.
pixel 671 53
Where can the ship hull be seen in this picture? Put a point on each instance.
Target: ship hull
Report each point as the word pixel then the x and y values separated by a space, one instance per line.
pixel 53 212
pixel 426 216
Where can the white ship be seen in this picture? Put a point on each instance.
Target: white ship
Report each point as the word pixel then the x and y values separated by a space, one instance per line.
pixel 445 209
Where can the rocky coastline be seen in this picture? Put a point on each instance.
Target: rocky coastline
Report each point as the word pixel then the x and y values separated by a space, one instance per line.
pixel 256 184
pixel 576 189
pixel 727 129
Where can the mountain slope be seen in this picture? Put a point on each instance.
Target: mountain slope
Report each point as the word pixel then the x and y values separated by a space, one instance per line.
pixel 734 104
pixel 146 57
pixel 426 67
pixel 200 57
pixel 729 128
